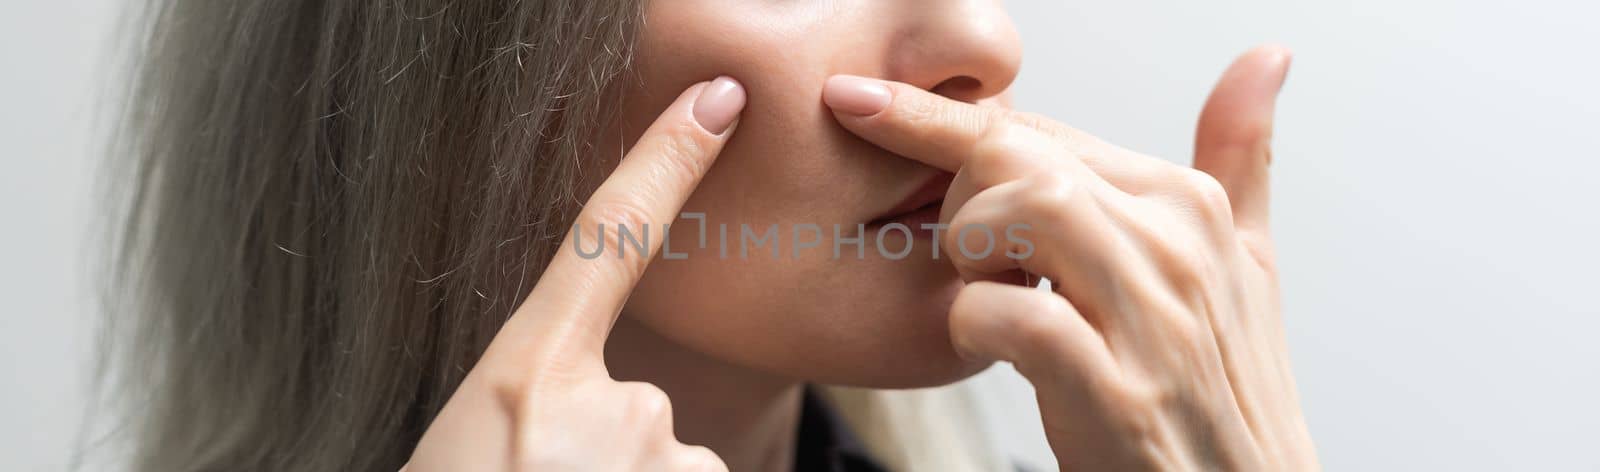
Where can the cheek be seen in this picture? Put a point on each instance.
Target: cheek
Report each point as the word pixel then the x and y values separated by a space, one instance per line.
pixel 787 154
pixel 782 72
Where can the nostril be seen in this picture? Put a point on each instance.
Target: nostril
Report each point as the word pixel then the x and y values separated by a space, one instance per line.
pixel 964 88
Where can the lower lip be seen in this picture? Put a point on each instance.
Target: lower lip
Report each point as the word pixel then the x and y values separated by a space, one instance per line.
pixel 914 221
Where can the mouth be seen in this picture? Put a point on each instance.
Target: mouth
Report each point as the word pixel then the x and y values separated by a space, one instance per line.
pixel 919 207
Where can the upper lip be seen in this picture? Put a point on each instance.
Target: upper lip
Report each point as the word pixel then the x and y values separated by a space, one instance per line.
pixel 931 190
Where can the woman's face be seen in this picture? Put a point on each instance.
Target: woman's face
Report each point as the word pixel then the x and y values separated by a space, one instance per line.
pixel 870 320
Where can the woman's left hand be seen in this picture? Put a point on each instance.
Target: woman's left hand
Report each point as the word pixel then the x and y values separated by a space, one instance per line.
pixel 1162 346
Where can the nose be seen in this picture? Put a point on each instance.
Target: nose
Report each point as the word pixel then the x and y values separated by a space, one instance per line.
pixel 966 50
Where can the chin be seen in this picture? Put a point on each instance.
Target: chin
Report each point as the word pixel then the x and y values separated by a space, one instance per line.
pixel 898 338
pixel 908 373
pixel 871 322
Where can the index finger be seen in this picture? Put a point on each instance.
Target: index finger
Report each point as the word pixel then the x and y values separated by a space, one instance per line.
pixel 909 121
pixel 581 292
pixel 944 133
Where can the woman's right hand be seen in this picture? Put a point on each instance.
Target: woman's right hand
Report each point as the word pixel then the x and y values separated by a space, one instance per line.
pixel 541 398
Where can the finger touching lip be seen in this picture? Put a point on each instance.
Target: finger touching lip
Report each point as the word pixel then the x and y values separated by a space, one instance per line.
pixel 929 193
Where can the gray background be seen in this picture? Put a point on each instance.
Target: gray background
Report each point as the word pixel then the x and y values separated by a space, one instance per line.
pixel 1434 207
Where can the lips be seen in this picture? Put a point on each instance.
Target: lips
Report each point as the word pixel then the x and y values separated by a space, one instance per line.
pixel 920 206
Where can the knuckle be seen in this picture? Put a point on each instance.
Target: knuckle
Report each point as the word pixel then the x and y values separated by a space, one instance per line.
pixel 916 112
pixel 1036 122
pixel 646 404
pixel 994 125
pixel 605 223
pixel 614 213
pixel 1206 194
pixel 1006 150
pixel 997 133
pixel 683 153
pixel 930 117
pixel 995 157
pixel 1050 196
pixel 1183 259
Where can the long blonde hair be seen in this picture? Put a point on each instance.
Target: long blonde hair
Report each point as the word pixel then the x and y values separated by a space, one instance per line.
pixel 326 208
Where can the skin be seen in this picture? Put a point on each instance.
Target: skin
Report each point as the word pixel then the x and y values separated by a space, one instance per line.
pixel 1160 348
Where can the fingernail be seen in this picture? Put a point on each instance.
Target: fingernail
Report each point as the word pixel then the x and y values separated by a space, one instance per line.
pixel 719 104
pixel 858 96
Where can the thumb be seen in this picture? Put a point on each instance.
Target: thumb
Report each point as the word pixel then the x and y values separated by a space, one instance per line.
pixel 1234 141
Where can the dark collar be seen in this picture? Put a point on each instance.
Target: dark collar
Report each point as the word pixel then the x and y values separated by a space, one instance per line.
pixel 826 443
